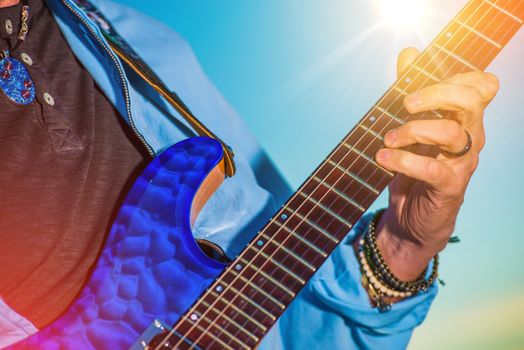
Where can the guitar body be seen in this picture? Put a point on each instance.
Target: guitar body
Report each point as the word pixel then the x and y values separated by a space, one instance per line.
pixel 151 267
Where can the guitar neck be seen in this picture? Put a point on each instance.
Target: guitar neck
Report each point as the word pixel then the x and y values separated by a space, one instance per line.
pixel 244 302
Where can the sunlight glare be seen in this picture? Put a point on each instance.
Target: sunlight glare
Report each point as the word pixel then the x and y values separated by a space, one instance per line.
pixel 402 13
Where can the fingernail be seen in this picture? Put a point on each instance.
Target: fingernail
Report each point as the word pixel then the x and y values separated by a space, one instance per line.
pixel 390 138
pixel 383 154
pixel 414 99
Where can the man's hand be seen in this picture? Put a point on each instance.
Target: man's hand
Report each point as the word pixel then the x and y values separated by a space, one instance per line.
pixel 427 193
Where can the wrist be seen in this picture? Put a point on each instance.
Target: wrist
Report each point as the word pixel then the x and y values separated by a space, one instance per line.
pixel 406 257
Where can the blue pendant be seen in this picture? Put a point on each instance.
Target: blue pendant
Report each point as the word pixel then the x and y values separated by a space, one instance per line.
pixel 15 81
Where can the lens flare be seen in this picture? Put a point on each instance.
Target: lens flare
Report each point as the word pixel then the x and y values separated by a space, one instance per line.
pixel 402 13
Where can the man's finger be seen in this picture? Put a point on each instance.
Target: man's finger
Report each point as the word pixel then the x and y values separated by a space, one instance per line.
pixel 433 172
pixel 405 58
pixel 486 83
pixel 446 133
pixel 450 97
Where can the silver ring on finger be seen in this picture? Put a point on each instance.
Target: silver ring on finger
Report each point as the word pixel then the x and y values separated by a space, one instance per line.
pixel 462 152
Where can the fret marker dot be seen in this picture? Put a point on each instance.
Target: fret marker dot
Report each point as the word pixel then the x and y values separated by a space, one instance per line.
pixel 408 80
pixel 283 216
pixel 260 243
pixel 194 317
pixel 448 34
pixel 373 119
pixel 238 267
pixel 219 289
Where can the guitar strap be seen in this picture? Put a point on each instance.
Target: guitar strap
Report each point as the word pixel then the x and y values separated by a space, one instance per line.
pixel 126 53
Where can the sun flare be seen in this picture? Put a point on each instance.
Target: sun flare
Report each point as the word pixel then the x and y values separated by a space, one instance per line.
pixel 402 13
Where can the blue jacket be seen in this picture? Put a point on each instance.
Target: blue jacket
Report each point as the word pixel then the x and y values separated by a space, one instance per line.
pixel 333 310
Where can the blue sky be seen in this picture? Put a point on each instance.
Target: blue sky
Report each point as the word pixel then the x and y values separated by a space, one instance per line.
pixel 303 72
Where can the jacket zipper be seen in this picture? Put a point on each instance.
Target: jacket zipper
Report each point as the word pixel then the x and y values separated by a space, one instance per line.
pixel 122 78
pixel 215 247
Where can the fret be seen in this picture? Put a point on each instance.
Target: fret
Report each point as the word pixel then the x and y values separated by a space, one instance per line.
pixel 391 115
pixel 436 62
pixel 426 73
pixel 504 11
pixel 300 245
pixel 317 214
pixel 198 336
pixel 268 277
pixel 221 327
pixel 174 337
pixel 366 142
pixel 284 268
pixel 400 91
pixel 303 240
pixel 458 58
pixel 323 232
pixel 266 283
pixel 231 310
pixel 258 289
pixel 215 337
pixel 335 176
pixel 472 42
pixel 340 194
pixel 237 280
pixel 205 331
pixel 189 321
pixel 393 101
pixel 368 158
pixel 515 7
pixel 355 177
pixel 325 209
pixel 277 264
pixel 437 59
pixel 257 307
pixel 243 314
pixel 480 35
pixel 491 22
pixel 241 328
pixel 192 337
pixel 289 252
pixel 283 243
pixel 377 121
pixel 372 132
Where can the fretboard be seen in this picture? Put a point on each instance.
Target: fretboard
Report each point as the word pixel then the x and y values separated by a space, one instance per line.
pixel 247 298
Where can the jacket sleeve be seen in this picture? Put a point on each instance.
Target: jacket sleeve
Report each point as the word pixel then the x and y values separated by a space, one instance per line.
pixel 333 311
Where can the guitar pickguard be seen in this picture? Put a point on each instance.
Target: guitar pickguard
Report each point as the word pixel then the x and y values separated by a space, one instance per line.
pixel 150 267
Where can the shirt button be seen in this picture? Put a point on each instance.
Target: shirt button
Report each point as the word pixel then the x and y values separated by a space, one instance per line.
pixel 26 58
pixel 9 26
pixel 49 99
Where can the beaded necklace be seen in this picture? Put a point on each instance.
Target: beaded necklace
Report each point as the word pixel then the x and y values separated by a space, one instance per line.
pixel 15 81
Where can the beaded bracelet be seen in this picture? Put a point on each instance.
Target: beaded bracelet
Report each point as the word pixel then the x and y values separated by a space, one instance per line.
pixel 383 272
pixel 375 282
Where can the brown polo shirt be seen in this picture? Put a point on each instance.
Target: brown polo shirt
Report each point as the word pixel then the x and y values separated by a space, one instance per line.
pixel 67 159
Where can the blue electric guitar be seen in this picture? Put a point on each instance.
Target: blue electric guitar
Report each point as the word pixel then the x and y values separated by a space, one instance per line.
pixel 153 286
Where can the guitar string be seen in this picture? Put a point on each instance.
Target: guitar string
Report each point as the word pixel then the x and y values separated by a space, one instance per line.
pixel 460 27
pixel 295 262
pixel 484 43
pixel 452 65
pixel 364 119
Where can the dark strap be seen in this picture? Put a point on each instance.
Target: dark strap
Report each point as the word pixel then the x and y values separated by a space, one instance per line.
pixel 133 60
